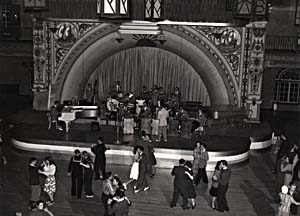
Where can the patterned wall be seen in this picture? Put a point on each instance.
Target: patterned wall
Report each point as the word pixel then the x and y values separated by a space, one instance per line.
pixel 54 40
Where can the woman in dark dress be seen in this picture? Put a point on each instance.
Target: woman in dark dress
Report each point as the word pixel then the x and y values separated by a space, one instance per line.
pixel 88 167
pixel 190 183
pixel 215 184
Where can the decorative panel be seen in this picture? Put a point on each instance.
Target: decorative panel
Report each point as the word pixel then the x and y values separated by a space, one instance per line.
pixel 228 40
pixel 39 56
pixel 51 42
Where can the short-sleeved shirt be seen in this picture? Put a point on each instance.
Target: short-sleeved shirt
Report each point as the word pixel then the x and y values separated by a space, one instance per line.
pixel 162 116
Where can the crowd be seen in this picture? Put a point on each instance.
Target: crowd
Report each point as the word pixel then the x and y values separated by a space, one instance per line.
pixel 287 175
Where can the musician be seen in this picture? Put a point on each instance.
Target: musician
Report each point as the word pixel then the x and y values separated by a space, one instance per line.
pixel 154 101
pixel 146 119
pixel 163 116
pixel 182 116
pixel 177 93
pixel 145 94
pixel 118 88
pixel 89 94
pixel 162 96
pixel 174 105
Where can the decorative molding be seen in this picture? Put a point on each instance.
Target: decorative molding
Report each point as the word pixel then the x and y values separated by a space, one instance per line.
pixel 39 56
pixel 214 55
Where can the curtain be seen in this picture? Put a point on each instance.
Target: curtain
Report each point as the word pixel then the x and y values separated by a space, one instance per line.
pixel 148 66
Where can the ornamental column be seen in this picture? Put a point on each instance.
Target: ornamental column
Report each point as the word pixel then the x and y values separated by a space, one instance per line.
pixel 255 52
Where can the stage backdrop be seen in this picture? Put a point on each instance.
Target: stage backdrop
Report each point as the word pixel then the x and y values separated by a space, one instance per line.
pixel 149 66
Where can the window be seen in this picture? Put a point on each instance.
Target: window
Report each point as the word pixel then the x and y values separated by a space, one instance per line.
pixel 297 13
pixel 286 88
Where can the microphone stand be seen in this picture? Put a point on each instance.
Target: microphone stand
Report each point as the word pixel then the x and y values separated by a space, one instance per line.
pixel 118 128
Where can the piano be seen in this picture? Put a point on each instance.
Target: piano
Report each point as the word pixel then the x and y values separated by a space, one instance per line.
pixel 70 113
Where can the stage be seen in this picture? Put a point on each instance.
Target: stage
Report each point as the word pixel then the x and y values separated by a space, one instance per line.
pixel 30 133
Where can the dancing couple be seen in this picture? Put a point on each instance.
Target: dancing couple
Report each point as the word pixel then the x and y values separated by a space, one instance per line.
pixel 183 185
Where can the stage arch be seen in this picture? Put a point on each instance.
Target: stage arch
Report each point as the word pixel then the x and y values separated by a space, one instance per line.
pixel 100 43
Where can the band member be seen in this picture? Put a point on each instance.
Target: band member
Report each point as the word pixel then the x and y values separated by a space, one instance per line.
pixel 162 116
pixel 75 170
pixel 118 88
pixel 100 160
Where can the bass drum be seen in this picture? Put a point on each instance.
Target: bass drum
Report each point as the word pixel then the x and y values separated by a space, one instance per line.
pixel 112 105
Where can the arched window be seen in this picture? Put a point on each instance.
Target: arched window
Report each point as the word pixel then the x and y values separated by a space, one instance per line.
pixel 287 85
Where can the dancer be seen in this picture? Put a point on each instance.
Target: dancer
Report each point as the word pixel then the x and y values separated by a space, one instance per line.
pixel 190 186
pixel 285 202
pixel 100 160
pixel 2 157
pixel 142 183
pixel 75 170
pixel 203 158
pixel 180 185
pixel 88 170
pixel 222 204
pixel 42 210
pixel 287 170
pixel 119 205
pixel 134 172
pixel 34 181
pixel 196 155
pixel 49 169
pixel 108 191
pixel 145 142
pixel 215 184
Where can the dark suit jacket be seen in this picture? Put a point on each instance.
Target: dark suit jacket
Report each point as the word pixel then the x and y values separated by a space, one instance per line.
pixel 99 151
pixel 180 177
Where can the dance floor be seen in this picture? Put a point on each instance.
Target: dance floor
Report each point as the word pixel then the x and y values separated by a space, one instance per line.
pixel 251 190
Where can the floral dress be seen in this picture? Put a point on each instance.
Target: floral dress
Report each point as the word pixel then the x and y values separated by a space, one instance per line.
pixel 50 182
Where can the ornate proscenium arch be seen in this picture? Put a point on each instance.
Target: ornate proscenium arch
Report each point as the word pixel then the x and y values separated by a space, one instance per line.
pixel 99 43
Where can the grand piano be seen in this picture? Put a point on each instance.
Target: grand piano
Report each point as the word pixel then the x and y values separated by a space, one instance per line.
pixel 70 113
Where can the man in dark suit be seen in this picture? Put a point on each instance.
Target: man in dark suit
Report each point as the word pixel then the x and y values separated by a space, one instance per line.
pixel 222 204
pixel 75 170
pixel 180 185
pixel 142 182
pixel 100 160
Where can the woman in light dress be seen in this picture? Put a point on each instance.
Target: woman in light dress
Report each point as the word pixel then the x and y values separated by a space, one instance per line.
pixel 285 201
pixel 49 169
pixel 134 172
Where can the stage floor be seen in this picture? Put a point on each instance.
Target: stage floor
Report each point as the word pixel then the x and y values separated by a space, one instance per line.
pixel 223 141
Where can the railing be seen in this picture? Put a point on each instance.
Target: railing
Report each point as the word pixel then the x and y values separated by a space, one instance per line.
pixel 277 42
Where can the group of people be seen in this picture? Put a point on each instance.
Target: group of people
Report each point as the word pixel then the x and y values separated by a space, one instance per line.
pixel 185 181
pixel 286 170
pixel 47 169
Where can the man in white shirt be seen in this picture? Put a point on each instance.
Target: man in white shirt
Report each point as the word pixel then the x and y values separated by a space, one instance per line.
pixel 162 116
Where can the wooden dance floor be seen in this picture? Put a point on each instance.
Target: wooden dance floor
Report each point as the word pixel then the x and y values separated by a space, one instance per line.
pixel 251 190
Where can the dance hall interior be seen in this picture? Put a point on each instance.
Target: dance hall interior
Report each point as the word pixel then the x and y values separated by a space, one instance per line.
pixel 135 92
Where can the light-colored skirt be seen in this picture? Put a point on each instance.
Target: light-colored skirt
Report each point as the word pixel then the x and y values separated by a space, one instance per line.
pixel 134 172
